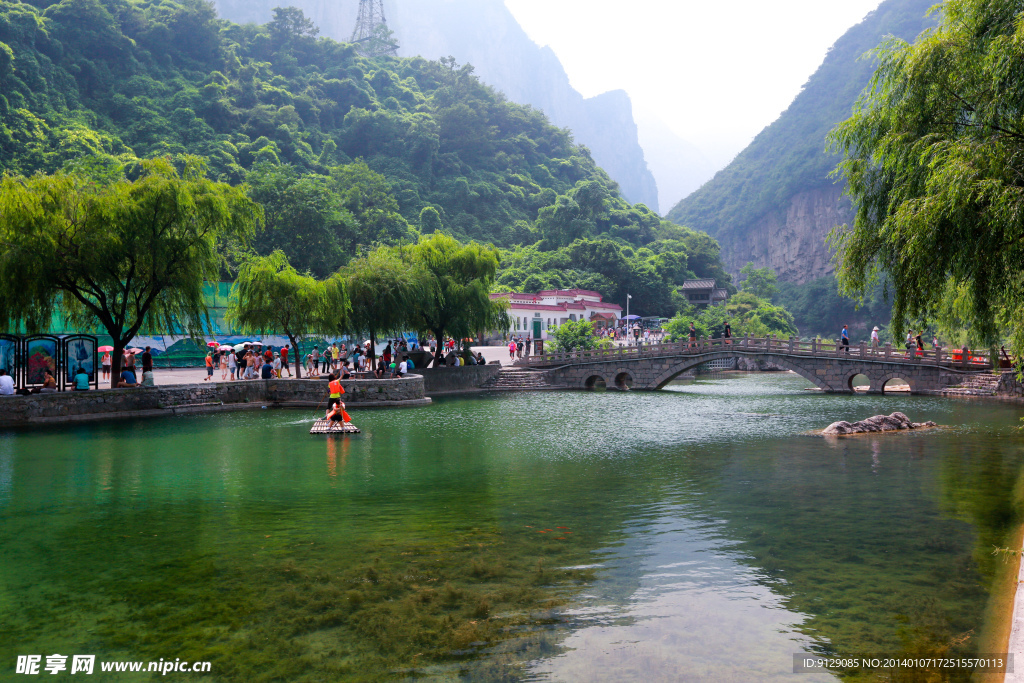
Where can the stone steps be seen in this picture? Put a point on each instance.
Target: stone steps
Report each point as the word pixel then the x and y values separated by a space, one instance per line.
pixel 974 385
pixel 517 380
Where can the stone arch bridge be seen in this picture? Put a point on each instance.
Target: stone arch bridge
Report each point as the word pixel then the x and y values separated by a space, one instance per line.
pixel 828 365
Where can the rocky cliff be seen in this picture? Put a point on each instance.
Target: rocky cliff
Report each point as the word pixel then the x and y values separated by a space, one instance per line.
pixel 485 34
pixel 790 241
pixel 775 203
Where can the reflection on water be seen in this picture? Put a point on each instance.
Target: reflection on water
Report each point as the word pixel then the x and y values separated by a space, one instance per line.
pixel 696 533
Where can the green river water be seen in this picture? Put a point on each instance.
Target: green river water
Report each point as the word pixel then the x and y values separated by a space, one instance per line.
pixel 696 533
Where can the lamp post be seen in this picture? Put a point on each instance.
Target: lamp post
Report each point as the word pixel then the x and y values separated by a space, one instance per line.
pixel 626 332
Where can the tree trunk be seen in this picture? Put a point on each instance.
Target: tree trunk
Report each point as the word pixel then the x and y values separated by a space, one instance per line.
pixel 115 362
pixel 439 354
pixel 297 356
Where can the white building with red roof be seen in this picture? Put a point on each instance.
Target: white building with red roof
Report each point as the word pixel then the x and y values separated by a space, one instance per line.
pixel 534 314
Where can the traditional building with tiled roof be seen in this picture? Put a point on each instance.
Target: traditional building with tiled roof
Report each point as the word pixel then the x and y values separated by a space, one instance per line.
pixel 533 315
pixel 704 293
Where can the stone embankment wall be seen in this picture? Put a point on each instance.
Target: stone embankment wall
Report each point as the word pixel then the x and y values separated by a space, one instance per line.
pixel 451 380
pixel 205 397
pixel 1009 385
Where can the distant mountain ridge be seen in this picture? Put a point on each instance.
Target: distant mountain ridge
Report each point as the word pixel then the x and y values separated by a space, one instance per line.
pixel 775 204
pixel 485 34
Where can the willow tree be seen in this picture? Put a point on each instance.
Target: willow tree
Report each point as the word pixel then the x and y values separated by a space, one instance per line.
pixel 385 292
pixel 934 160
pixel 269 295
pixel 457 300
pixel 124 256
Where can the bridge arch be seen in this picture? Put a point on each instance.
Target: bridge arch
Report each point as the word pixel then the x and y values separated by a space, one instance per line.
pixel 874 386
pixel 596 381
pixel 689 363
pixel 624 379
pixel 905 376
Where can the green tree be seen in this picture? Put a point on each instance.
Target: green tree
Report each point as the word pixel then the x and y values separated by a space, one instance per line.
pixel 385 292
pixel 759 281
pixel 457 299
pixel 745 313
pixel 367 196
pixel 575 335
pixel 290 25
pixel 430 220
pixel 303 218
pixel 269 295
pixel 932 161
pixel 125 256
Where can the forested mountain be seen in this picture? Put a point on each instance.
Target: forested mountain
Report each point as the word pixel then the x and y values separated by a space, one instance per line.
pixel 341 151
pixel 774 204
pixel 484 33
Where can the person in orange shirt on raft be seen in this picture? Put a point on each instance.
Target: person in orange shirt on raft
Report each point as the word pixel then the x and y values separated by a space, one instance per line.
pixel 335 389
pixel 335 406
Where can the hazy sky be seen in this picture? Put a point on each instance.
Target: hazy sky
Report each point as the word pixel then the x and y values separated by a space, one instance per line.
pixel 715 72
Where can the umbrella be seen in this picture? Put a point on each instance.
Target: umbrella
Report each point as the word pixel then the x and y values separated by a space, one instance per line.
pixel 225 347
pixel 631 317
pixel 105 349
pixel 213 343
pixel 134 350
pixel 239 347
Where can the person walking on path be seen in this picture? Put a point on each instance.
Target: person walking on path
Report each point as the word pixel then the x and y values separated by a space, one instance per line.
pixel 519 348
pixel 728 333
pixel 209 366
pixel 874 338
pixel 693 336
pixel 232 364
pixel 284 360
pixel 224 366
pixel 105 362
pixel 920 343
pixel 512 350
pixel 844 338
pixel 147 360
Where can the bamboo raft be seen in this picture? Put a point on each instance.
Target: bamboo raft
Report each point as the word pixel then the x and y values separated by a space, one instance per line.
pixel 324 426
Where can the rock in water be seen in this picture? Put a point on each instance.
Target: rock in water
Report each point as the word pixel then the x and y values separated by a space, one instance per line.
pixel 878 423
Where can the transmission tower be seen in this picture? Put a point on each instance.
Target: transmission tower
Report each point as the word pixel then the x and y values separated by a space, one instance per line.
pixel 371 33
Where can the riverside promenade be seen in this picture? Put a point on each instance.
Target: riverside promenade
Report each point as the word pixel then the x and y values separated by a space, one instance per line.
pixel 175 376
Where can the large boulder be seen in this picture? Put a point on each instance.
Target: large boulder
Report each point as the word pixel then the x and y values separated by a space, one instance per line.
pixel 878 423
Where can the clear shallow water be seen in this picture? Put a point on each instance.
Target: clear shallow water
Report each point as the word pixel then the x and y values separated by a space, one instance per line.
pixel 692 534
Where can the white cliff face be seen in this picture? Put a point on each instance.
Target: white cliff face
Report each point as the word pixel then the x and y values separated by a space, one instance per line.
pixel 485 34
pixel 790 242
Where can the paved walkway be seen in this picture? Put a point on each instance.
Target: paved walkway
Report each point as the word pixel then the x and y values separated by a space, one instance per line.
pixel 174 376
